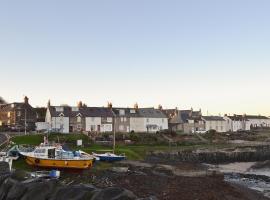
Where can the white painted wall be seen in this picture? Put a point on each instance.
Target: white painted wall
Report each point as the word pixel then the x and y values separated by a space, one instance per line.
pixel 92 121
pixel 41 126
pixel 137 124
pixel 61 123
pixel 106 128
pixel 140 124
pixel 260 122
pixel 219 126
pixel 161 123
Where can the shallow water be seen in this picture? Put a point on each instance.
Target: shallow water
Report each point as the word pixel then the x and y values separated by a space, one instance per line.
pixel 242 173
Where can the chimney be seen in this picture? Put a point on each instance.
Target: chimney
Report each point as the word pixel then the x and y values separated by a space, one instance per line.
pixel 109 105
pixel 80 104
pixel 49 103
pixel 160 107
pixel 26 100
pixel 136 106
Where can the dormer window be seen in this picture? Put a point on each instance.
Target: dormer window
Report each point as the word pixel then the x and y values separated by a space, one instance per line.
pixel 61 115
pixel 79 119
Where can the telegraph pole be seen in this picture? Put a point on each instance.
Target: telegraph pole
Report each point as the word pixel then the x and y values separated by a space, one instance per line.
pixel 25 124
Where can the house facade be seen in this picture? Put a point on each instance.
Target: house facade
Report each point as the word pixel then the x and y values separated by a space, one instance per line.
pixel 237 122
pixel 258 121
pixel 216 123
pixel 137 119
pixel 187 121
pixel 16 115
pixel 66 119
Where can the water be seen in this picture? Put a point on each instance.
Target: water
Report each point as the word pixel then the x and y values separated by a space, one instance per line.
pixel 246 174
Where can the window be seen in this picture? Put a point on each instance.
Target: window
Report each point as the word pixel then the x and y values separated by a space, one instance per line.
pixel 79 119
pixel 109 119
pixel 92 119
pixel 121 127
pixel 19 113
pixel 132 111
pixel 59 109
pixel 121 112
pixel 93 127
pixel 162 120
pixel 9 114
pixel 147 120
pixel 75 109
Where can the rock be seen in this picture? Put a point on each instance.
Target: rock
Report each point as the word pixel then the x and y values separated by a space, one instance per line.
pixel 16 191
pixel 75 192
pixel 148 198
pixel 5 187
pixel 113 193
pixel 120 169
pixel 41 190
pixel 4 168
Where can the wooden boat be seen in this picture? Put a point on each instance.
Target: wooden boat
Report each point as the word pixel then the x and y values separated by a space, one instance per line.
pixel 56 157
pixel 110 157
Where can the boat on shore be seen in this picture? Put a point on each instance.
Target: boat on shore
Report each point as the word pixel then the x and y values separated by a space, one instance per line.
pixel 53 156
pixel 110 157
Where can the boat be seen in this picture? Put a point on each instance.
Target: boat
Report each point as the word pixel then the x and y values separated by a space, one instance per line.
pixel 53 156
pixel 110 157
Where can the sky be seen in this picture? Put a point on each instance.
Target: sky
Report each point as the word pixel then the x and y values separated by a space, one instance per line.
pixel 208 54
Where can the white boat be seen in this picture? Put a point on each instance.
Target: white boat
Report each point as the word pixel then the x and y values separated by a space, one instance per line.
pixel 109 157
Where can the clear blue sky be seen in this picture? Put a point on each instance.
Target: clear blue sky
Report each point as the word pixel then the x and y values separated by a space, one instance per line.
pixel 210 54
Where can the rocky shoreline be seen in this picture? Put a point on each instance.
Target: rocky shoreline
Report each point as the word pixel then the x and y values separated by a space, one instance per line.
pixel 128 180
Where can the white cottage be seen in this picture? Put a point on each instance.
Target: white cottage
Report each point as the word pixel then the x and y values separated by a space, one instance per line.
pixel 57 118
pixel 149 120
pixel 216 123
pixel 237 122
pixel 258 121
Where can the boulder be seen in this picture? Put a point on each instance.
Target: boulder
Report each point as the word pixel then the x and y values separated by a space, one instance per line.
pixel 41 190
pixel 5 187
pixel 114 193
pixel 74 192
pixel 4 168
pixel 16 191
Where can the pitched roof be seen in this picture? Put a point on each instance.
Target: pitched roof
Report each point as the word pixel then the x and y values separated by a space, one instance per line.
pixel 213 118
pixel 126 112
pixel 256 117
pixel 13 106
pixel 151 113
pixel 84 111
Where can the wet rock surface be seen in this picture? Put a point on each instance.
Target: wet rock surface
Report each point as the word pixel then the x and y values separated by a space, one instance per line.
pixel 142 181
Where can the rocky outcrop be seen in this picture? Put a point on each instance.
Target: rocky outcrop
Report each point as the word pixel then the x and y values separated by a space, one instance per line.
pixel 12 187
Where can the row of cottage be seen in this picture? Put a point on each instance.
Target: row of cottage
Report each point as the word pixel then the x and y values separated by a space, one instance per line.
pixel 82 118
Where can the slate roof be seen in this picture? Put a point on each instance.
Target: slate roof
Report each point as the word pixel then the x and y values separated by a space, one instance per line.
pixel 84 111
pixel 151 113
pixel 213 118
pixel 256 117
pixel 128 112
pixel 14 106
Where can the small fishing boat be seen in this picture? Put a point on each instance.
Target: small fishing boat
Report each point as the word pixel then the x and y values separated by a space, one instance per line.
pixel 110 157
pixel 54 156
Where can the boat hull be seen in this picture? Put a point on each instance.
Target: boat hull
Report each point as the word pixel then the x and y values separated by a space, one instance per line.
pixel 111 159
pixel 55 163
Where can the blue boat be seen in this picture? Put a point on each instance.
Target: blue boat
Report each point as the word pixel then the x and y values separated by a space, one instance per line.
pixel 109 157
